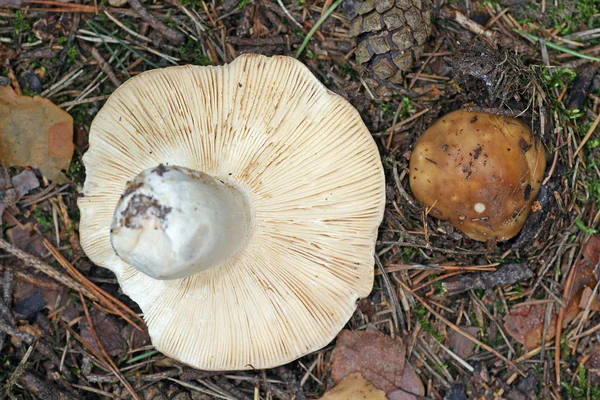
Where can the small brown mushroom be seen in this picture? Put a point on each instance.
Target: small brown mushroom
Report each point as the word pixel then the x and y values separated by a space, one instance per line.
pixel 479 171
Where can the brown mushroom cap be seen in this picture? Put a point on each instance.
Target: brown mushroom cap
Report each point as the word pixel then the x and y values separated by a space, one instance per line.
pixel 479 171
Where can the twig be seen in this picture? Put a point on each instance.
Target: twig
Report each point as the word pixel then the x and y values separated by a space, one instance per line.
pixel 171 34
pixel 460 331
pixel 71 103
pixel 32 261
pixel 405 121
pixel 42 346
pixel 107 358
pixel 559 322
pixel 465 22
pixel 105 67
pixel 113 304
pixel 14 377
pixel 290 16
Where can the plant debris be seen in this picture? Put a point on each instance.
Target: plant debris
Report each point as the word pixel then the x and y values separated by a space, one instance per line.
pixel 526 323
pixel 36 133
pixel 354 387
pixel 377 357
pixel 12 189
pixel 506 274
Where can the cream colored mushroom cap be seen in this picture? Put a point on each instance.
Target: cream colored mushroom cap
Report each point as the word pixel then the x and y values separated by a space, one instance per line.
pixel 313 177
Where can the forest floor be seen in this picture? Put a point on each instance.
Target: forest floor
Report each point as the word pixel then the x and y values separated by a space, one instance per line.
pixel 514 320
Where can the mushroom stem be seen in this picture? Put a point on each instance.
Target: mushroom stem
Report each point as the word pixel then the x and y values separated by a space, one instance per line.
pixel 172 222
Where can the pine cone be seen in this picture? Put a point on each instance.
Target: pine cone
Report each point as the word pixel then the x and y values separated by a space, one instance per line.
pixel 390 36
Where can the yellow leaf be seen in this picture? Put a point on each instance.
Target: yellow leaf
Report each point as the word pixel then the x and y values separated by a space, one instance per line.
pixel 354 387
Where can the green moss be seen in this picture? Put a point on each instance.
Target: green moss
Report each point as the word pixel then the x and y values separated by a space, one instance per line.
pixel 582 388
pixel 21 23
pixel 349 70
pixel 27 91
pixel 243 4
pixel 72 54
pixel 584 228
pixel 583 17
pixel 42 218
pixel 409 254
pixel 194 53
pixel 558 77
pixel 426 324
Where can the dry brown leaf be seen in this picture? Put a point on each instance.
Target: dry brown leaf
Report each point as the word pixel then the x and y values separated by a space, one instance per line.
pixel 462 345
pixel 34 132
pixel 354 387
pixel 526 324
pixel 592 249
pixel 411 388
pixel 28 239
pixel 585 298
pixel 108 331
pixel 593 365
pixel 377 357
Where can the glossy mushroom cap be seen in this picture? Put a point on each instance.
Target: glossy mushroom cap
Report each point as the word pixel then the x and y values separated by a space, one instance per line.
pixel 311 178
pixel 481 172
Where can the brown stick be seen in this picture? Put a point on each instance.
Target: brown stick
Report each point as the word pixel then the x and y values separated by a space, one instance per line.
pixel 31 261
pixel 171 34
pixel 105 67
pixel 107 300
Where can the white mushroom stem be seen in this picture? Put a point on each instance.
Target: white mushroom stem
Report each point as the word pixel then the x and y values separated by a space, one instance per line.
pixel 172 222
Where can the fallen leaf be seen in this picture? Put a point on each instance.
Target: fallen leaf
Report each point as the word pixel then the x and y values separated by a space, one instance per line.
pixel 526 324
pixel 12 189
pixel 28 239
pixel 354 387
pixel 456 392
pixel 585 298
pixel 49 290
pixel 377 357
pixel 411 386
pixel 593 365
pixel 108 331
pixel 34 132
pixel 134 338
pixel 24 182
pixel 411 381
pixel 29 307
pixel 461 345
pixel 591 252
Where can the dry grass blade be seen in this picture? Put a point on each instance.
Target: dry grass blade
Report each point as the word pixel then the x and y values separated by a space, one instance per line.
pixel 588 135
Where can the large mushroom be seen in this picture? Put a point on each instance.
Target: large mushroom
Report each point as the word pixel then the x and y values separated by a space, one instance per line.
pixel 237 205
pixel 482 172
